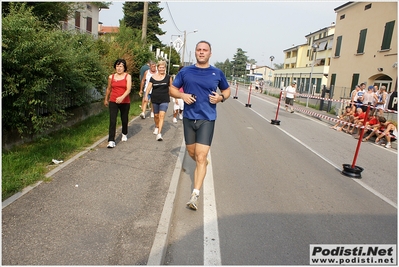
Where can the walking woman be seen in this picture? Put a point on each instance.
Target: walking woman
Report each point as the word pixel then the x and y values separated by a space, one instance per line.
pixel 159 85
pixel 117 98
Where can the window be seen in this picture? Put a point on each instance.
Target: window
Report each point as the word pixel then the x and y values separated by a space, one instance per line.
pixel 362 41
pixel 342 16
pixel 367 7
pixel 333 78
pixel 330 44
pixel 322 46
pixel 338 46
pixel 355 80
pixel 77 19
pixel 89 24
pixel 386 40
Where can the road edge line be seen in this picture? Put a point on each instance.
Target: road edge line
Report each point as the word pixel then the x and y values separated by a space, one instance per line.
pixel 159 246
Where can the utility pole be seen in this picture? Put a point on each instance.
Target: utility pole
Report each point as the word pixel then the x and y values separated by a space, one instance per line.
pixel 145 19
pixel 184 48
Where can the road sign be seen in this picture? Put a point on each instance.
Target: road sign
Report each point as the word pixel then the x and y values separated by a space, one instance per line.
pixel 177 44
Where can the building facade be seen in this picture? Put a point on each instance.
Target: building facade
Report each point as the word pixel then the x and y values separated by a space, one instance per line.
pixel 264 72
pixel 365 47
pixel 308 64
pixel 86 18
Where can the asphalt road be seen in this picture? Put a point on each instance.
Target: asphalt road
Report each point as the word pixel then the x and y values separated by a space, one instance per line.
pixel 279 189
pixel 101 207
pixel 271 191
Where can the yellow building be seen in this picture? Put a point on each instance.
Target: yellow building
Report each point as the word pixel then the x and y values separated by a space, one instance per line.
pixel 365 47
pixel 308 62
pixel 266 72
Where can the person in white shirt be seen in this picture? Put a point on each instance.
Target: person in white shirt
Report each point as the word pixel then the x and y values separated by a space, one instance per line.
pixel 289 94
pixel 143 87
pixel 369 97
pixel 382 99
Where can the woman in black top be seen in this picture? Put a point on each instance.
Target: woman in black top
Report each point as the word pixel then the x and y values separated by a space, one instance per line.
pixel 159 85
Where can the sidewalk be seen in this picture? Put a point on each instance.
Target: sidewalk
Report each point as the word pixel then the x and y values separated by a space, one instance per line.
pixel 100 208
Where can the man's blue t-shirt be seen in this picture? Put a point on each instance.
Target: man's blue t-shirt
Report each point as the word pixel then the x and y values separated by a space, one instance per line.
pixel 200 82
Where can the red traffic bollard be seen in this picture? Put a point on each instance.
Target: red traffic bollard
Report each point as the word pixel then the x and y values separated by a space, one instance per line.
pixel 249 96
pixel 354 171
pixel 275 121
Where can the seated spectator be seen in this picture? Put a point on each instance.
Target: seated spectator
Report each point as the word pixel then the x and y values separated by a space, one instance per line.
pixel 372 121
pixel 377 128
pixel 390 133
pixel 344 117
pixel 358 120
pixel 346 127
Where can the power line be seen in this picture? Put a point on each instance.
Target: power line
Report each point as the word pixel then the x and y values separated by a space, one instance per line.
pixel 170 13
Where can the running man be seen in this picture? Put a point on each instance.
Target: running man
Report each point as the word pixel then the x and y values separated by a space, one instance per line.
pixel 200 82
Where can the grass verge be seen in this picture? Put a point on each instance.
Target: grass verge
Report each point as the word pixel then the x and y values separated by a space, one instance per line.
pixel 26 164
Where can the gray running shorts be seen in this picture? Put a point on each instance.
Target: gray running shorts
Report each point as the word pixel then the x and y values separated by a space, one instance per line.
pixel 198 131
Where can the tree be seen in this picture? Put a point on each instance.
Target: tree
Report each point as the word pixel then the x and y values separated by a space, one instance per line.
pixel 50 12
pixel 226 67
pixel 278 66
pixel 44 71
pixel 133 17
pixel 174 59
pixel 240 62
pixel 128 45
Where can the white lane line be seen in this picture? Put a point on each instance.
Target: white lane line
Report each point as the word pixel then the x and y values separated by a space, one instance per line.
pixel 370 189
pixel 160 245
pixel 211 231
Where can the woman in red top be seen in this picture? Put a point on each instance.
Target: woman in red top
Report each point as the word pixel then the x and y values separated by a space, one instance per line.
pixel 117 98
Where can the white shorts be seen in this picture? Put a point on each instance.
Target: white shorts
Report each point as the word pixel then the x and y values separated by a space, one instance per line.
pixel 178 106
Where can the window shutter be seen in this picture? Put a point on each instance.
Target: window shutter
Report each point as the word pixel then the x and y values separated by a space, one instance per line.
pixel 386 40
pixel 338 46
pixel 362 41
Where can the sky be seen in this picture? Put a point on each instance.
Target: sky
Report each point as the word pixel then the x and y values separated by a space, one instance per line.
pixel 261 28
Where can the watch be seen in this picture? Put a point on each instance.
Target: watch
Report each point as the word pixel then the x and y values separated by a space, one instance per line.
pixel 222 98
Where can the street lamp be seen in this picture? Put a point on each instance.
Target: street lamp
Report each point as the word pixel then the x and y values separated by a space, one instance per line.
pixel 270 74
pixel 184 44
pixel 314 47
pixel 170 51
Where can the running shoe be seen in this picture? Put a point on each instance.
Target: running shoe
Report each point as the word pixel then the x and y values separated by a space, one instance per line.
pixel 388 145
pixel 174 120
pixel 159 137
pixel 192 204
pixel 155 131
pixel 142 115
pixel 181 116
pixel 124 137
pixel 111 144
